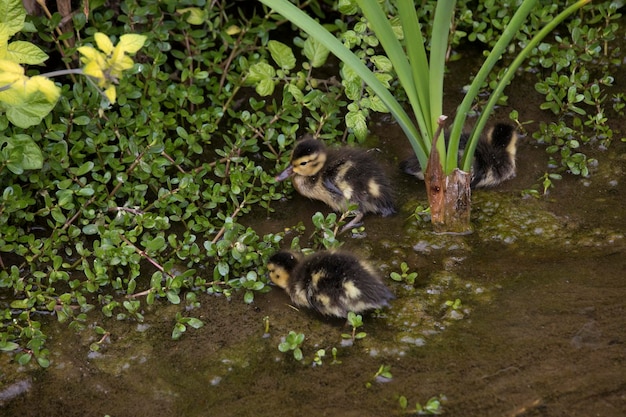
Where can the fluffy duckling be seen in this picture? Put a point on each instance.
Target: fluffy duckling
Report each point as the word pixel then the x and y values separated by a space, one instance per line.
pixel 331 283
pixel 340 177
pixel 494 158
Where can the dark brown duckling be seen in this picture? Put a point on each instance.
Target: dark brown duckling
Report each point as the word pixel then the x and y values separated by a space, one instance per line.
pixel 494 158
pixel 331 283
pixel 340 177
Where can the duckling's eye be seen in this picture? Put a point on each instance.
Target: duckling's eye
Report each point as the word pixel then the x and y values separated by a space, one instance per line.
pixel 303 163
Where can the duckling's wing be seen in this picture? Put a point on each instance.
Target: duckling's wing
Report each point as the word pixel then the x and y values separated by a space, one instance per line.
pixel 330 186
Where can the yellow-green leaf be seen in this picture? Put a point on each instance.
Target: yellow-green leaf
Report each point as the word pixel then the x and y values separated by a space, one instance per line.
pixel 378 105
pixel 196 15
pixel 315 52
pixel 90 54
pixel 282 55
pixel 12 16
pixel 356 121
pixel 110 93
pixel 265 87
pixel 119 63
pixel 44 85
pixel 104 43
pixel 10 72
pixel 4 42
pixel 94 70
pixel 233 30
pixel 25 53
pixel 260 71
pixel 131 43
pixel 30 101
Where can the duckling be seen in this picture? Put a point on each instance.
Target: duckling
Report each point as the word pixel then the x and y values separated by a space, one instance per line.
pixel 331 283
pixel 340 177
pixel 494 158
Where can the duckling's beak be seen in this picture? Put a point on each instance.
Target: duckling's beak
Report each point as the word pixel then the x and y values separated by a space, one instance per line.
pixel 285 174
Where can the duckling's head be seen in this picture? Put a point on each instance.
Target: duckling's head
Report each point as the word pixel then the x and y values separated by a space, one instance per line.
pixel 280 265
pixel 307 158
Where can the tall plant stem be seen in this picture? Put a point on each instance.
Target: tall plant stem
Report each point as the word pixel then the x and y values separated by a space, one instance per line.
pixel 439 46
pixel 461 113
pixel 317 31
pixel 508 75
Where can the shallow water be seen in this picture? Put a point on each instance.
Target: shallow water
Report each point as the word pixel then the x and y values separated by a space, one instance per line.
pixel 541 330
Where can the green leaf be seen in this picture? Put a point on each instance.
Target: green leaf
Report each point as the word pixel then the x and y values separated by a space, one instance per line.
pixel 403 402
pixel 84 168
pixel 282 55
pixel 259 72
pixel 156 244
pixel 223 268
pixel 19 304
pixel 382 63
pixel 173 297
pixel 23 358
pixel 82 120
pixel 43 362
pixel 295 92
pixel 316 53
pixel 179 330
pixel 297 354
pixel 23 153
pixel 8 346
pixel 195 323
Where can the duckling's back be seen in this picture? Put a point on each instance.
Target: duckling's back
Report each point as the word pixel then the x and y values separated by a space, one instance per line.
pixel 336 283
pixel 355 175
pixel 494 159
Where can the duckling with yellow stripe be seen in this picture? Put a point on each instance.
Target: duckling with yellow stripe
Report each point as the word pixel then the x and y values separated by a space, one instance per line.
pixel 332 283
pixel 340 177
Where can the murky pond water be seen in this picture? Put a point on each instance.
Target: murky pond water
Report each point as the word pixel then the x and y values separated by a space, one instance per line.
pixel 541 329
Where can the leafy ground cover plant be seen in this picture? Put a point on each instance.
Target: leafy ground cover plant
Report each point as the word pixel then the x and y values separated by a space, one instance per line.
pixel 142 202
pixel 432 407
pixel 578 76
pixel 292 342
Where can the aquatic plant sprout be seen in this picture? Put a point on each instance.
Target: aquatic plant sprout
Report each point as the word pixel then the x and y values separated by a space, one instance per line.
pixel 421 78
